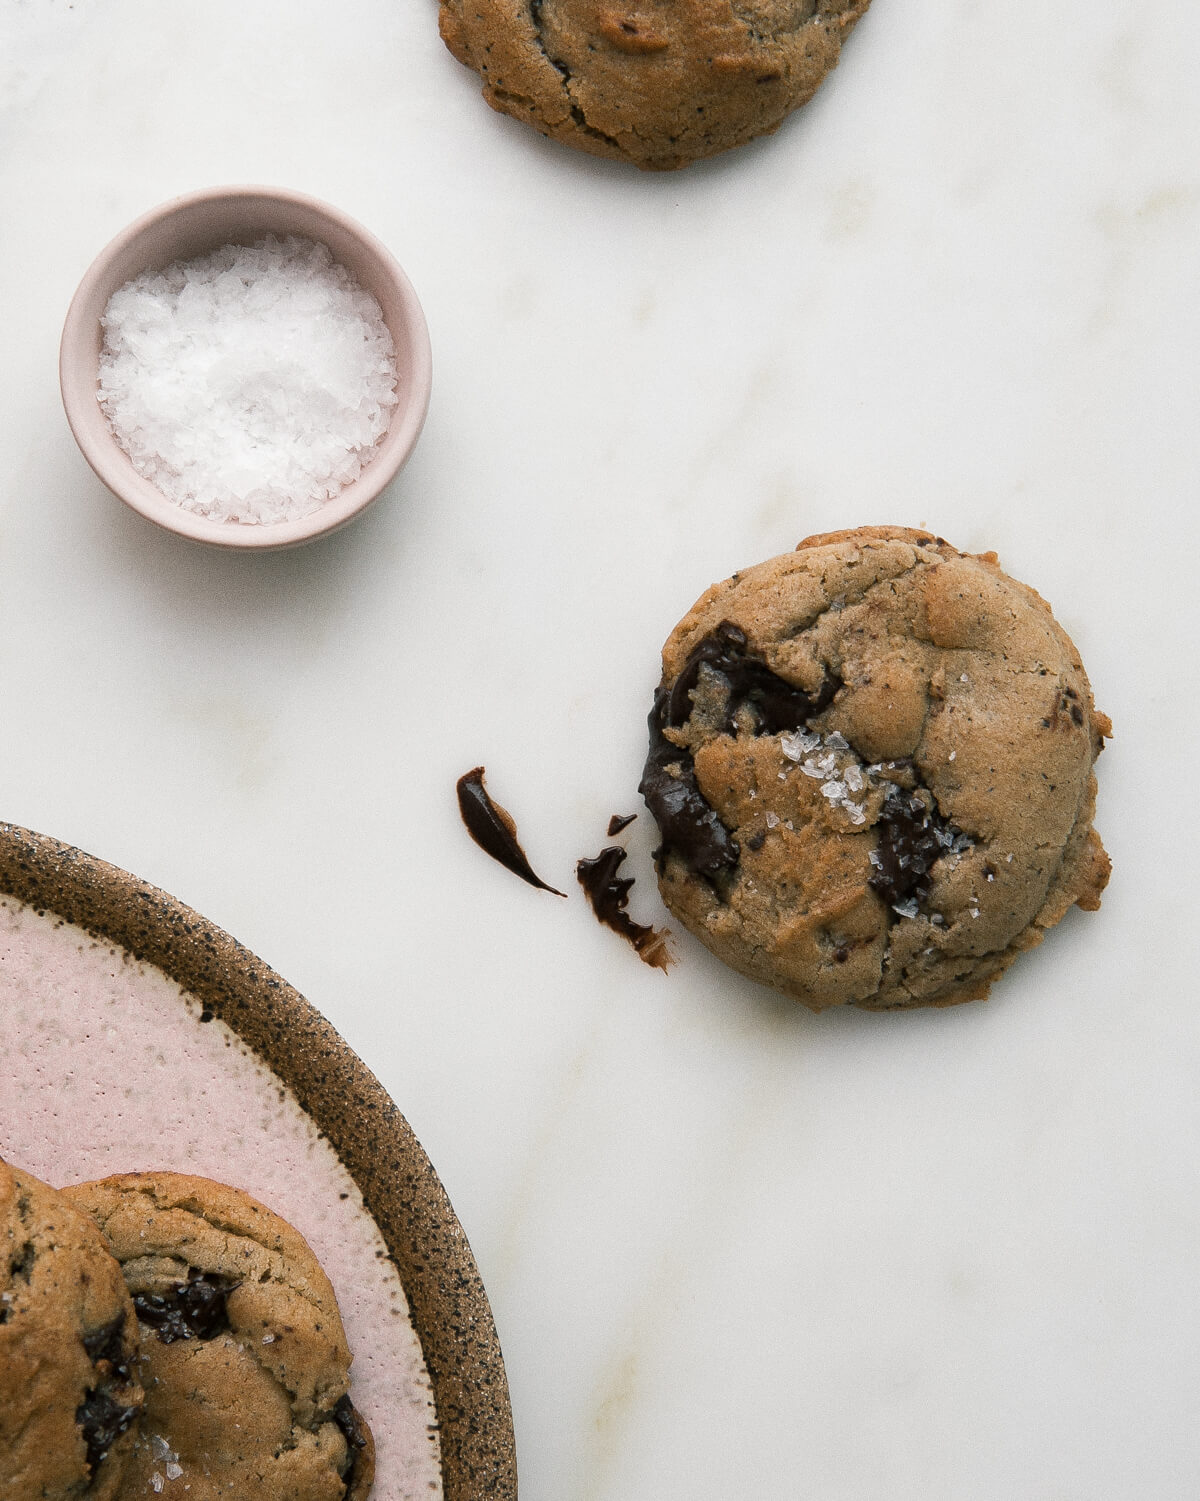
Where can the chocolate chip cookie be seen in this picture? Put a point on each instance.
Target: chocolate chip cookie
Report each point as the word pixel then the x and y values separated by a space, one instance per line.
pixel 242 1351
pixel 68 1343
pixel 660 83
pixel 871 766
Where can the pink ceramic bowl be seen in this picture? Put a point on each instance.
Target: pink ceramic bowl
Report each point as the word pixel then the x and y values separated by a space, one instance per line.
pixel 192 226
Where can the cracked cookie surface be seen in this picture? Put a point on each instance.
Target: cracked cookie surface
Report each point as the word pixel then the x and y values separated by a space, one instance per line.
pixel 871 765
pixel 241 1351
pixel 69 1400
pixel 659 83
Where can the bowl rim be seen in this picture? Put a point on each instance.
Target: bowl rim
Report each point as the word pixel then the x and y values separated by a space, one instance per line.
pixel 400 1187
pixel 112 467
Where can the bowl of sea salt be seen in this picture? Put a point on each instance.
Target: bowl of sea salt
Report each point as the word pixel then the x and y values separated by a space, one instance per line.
pixel 246 366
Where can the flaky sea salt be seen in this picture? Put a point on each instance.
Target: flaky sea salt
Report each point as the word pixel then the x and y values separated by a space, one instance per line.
pixel 252 384
pixel 830 760
pixel 796 746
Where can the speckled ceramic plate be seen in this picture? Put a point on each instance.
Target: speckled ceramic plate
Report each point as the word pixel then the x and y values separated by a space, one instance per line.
pixel 138 1035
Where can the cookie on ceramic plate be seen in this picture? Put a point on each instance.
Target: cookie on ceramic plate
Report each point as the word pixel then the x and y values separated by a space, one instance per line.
pixel 871 766
pixel 69 1400
pixel 659 83
pixel 242 1351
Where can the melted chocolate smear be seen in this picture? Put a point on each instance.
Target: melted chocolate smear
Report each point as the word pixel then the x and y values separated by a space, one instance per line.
pixel 494 830
pixel 608 894
pixel 102 1421
pixel 778 704
pixel 107 1347
pixel 688 823
pixel 354 1431
pixel 619 821
pixel 195 1309
pixel 912 838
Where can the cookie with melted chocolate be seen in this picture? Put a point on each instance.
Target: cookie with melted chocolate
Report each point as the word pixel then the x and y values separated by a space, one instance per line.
pixel 69 1397
pixel 241 1346
pixel 659 83
pixel 871 765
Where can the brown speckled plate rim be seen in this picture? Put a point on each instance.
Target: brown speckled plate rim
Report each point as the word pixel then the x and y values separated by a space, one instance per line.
pixel 399 1186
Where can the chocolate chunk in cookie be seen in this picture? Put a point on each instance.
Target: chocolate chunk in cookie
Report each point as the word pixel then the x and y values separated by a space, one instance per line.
pixel 871 765
pixel 69 1400
pixel 197 1308
pixel 242 1351
pixel 659 83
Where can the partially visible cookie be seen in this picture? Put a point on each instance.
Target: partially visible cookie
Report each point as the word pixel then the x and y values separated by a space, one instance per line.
pixel 660 83
pixel 68 1344
pixel 871 765
pixel 243 1354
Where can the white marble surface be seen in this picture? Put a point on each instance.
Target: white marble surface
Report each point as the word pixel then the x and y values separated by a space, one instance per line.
pixel 733 1250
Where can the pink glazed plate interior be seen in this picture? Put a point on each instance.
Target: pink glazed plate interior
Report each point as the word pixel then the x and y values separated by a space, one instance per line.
pixel 139 1036
pixel 195 225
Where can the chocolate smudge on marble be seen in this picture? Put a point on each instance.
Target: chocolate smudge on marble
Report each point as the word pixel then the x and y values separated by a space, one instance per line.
pixel 494 829
pixel 608 894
